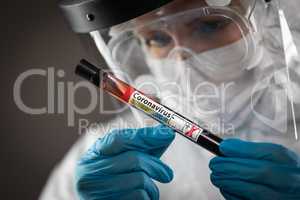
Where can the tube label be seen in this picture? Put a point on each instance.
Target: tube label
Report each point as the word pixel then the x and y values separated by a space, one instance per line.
pixel 165 115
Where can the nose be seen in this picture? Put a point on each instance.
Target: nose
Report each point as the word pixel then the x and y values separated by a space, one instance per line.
pixel 180 53
pixel 182 47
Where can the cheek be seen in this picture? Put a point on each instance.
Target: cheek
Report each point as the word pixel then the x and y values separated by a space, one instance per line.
pixel 233 33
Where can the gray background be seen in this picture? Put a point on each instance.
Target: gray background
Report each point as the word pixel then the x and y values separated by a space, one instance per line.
pixel 34 35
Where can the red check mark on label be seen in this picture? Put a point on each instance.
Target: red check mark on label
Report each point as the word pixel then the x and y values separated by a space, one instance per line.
pixel 190 132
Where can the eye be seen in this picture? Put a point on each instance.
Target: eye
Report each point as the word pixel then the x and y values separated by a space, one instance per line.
pixel 158 39
pixel 210 26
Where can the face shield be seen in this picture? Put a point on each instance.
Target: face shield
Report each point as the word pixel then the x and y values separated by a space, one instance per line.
pixel 199 31
pixel 223 63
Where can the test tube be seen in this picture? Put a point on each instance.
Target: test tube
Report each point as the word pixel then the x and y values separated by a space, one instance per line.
pixel 129 95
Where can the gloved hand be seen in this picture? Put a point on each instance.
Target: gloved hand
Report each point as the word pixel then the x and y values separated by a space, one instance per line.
pixel 123 163
pixel 259 171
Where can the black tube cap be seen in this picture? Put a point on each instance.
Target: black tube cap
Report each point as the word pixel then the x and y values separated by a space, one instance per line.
pixel 88 71
pixel 85 16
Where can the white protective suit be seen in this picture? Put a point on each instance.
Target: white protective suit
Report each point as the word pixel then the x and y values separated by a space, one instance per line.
pixel 189 161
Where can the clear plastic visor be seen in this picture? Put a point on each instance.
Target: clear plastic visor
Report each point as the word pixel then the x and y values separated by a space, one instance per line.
pixel 205 34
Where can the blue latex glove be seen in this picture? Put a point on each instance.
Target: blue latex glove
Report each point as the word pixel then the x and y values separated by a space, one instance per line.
pixel 259 171
pixel 123 163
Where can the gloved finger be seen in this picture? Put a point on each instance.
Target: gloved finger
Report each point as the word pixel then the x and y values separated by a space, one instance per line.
pixel 256 171
pixel 228 196
pixel 136 194
pixel 90 187
pixel 152 140
pixel 128 195
pixel 248 190
pixel 130 161
pixel 260 151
